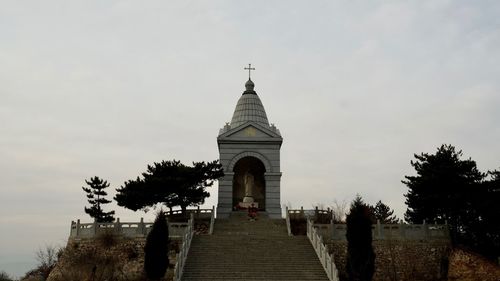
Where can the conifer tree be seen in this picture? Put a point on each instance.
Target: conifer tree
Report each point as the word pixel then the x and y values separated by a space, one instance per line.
pixel 96 196
pixel 156 248
pixel 482 232
pixel 443 189
pixel 360 264
pixel 384 214
pixel 448 188
pixel 170 183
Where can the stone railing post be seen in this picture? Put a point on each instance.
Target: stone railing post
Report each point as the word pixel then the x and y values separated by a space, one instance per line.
pixel 402 229
pixel 77 227
pixel 212 221
pixel 71 228
pixel 117 226
pixel 425 229
pixel 287 220
pixel 379 230
pixel 95 226
pixel 142 228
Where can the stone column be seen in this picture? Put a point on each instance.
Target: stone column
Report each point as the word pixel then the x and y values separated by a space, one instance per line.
pixel 273 196
pixel 225 200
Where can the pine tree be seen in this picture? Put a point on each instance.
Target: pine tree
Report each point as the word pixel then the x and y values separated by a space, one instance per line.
pixel 156 248
pixel 384 214
pixel 360 264
pixel 482 233
pixel 443 189
pixel 170 183
pixel 450 189
pixel 96 196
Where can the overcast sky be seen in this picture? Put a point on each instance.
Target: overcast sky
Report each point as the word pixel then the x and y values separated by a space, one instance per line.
pixel 356 88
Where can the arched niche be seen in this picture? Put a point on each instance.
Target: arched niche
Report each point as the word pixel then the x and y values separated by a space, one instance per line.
pixel 254 166
pixel 235 159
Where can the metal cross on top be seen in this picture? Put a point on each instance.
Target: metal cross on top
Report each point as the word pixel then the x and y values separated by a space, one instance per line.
pixel 249 68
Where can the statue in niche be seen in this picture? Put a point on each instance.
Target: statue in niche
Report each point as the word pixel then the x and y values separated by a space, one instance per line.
pixel 248 181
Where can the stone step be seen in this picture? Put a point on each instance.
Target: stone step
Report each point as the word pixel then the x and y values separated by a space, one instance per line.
pixel 240 249
pixel 256 273
pixel 253 278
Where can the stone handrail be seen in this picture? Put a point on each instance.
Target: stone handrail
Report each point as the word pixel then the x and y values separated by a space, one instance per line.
pixel 325 258
pixel 304 213
pixel 182 255
pixel 397 231
pixel 212 221
pixel 126 229
pixel 287 219
pixel 380 231
pixel 137 229
pixel 198 213
pixel 295 214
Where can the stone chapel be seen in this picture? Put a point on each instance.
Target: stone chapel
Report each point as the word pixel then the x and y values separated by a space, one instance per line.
pixel 249 151
pixel 265 247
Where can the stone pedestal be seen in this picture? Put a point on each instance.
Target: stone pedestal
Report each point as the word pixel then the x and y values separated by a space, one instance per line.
pixel 246 205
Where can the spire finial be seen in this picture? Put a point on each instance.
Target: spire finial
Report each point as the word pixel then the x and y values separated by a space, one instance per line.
pixel 249 68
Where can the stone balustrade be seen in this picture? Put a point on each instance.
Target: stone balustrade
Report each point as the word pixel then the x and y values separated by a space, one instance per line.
pixel 197 213
pixel 326 259
pixel 380 231
pixel 302 214
pixel 137 229
pixel 127 229
pixel 184 250
pixel 395 231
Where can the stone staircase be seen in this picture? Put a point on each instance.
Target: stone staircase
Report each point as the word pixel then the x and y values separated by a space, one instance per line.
pixel 240 249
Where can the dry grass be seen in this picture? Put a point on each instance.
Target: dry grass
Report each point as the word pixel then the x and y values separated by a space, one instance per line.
pixel 97 262
pixel 108 258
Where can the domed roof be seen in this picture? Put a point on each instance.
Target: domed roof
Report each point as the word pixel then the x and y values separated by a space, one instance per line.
pixel 249 108
pixel 249 85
